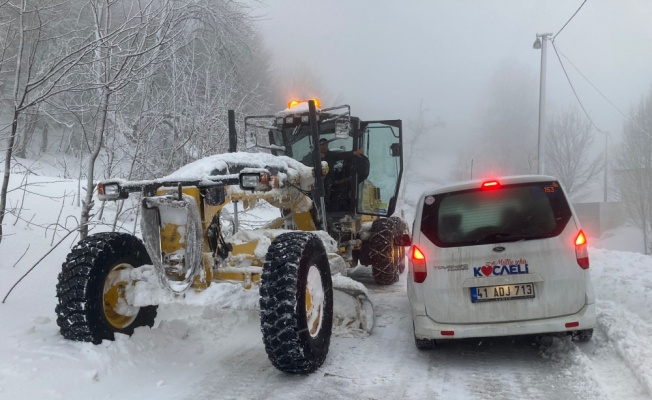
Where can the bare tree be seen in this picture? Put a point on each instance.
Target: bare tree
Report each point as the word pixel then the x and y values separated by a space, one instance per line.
pixel 633 163
pixel 164 82
pixel 37 74
pixel 131 41
pixel 221 66
pixel 139 87
pixel 569 142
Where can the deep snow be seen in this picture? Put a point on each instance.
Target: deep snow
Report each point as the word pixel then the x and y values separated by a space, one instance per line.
pixel 210 346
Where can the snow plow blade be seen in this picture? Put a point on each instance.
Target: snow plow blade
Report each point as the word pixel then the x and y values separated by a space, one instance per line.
pixel 353 311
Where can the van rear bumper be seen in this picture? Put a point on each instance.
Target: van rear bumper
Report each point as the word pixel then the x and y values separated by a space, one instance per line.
pixel 426 328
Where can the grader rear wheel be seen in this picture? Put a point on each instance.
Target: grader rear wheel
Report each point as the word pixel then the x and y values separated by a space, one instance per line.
pixel 92 285
pixel 400 228
pixel 296 303
pixel 384 261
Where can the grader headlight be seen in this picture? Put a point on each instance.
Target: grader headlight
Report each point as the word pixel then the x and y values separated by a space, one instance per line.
pixel 110 191
pixel 255 181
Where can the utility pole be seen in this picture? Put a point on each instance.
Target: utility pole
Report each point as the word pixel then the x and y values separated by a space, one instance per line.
pixel 541 43
pixel 606 164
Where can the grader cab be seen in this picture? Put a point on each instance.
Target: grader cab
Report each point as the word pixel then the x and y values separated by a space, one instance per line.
pixel 355 197
pixel 297 261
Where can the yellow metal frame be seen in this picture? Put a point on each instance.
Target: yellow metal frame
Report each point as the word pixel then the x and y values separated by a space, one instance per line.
pixel 171 240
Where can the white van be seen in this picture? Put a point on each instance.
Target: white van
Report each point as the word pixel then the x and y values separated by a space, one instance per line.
pixel 498 258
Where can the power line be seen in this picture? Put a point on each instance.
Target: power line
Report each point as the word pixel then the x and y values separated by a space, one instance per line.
pixel 628 117
pixel 592 85
pixel 573 88
pixel 569 20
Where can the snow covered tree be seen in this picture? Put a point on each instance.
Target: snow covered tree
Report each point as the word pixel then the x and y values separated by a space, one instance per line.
pixel 37 64
pixel 136 88
pixel 220 65
pixel 160 86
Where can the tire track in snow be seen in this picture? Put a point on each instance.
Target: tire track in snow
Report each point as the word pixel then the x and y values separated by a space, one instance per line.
pixel 615 357
pixel 387 365
pixel 512 367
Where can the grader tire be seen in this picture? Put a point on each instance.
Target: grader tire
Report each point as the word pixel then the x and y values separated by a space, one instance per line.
pixel 296 303
pixel 89 289
pixel 399 228
pixel 381 252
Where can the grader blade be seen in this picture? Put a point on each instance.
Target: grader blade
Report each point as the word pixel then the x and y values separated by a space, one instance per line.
pixel 353 310
pixel 172 233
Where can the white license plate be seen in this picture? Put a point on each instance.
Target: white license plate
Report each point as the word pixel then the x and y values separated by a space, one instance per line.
pixel 502 292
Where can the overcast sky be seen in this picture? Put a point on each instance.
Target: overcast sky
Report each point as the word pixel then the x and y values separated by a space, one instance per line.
pixel 381 57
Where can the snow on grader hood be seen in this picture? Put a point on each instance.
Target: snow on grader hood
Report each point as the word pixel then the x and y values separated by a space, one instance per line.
pixel 298 272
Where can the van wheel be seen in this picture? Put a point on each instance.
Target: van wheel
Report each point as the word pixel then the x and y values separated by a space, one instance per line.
pixel 296 302
pixel 583 335
pixel 382 252
pixel 424 344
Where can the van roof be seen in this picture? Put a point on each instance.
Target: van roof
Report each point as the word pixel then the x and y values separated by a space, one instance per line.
pixel 476 183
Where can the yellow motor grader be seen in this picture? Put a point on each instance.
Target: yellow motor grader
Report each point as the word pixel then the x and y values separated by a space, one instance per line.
pixel 331 218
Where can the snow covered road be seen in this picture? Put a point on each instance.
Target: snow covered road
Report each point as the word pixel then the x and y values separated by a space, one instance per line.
pixel 213 349
pixel 387 365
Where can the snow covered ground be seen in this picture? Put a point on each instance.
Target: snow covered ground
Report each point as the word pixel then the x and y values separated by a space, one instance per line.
pixel 211 347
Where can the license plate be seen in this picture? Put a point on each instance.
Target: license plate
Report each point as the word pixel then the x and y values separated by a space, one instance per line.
pixel 502 292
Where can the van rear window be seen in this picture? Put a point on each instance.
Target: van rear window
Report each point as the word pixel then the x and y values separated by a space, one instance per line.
pixel 506 214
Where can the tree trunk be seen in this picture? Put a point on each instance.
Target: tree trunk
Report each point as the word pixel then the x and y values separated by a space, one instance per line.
pixel 87 203
pixel 44 139
pixel 5 178
pixel 14 123
pixel 31 121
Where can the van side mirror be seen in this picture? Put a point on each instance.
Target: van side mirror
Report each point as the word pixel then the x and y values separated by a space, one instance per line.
pixel 404 240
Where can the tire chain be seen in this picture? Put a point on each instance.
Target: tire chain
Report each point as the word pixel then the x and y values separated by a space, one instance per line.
pixel 380 251
pixel 278 325
pixel 74 314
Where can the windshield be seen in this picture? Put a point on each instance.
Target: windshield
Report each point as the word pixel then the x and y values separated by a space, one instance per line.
pixel 300 147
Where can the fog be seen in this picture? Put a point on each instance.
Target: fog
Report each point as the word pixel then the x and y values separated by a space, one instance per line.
pixel 383 57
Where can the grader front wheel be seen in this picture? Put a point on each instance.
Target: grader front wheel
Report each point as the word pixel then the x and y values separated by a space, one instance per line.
pixel 92 285
pixel 296 303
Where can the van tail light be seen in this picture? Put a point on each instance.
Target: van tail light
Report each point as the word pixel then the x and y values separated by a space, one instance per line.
pixel 581 250
pixel 418 264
